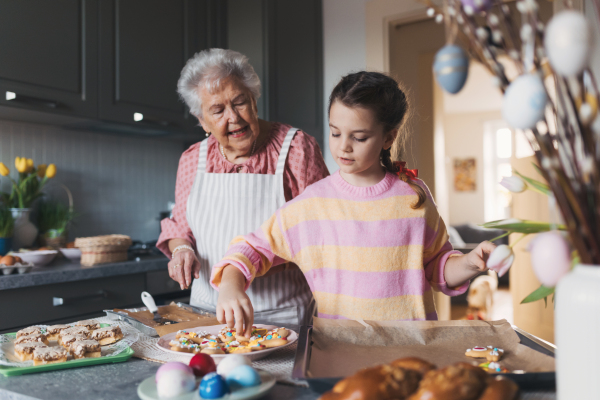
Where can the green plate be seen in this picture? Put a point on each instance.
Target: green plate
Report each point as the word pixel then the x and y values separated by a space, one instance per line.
pixel 83 362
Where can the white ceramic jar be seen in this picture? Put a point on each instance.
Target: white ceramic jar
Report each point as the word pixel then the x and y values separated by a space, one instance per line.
pixel 24 232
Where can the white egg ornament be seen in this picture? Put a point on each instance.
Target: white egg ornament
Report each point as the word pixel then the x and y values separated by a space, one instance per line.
pixel 568 42
pixel 231 362
pixel 451 67
pixel 175 382
pixel 524 102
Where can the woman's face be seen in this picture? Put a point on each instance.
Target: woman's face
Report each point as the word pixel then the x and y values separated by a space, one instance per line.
pixel 230 115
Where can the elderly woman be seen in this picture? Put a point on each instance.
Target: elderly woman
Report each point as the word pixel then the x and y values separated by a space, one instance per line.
pixel 228 184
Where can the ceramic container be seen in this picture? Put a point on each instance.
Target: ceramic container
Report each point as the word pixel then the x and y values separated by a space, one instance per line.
pixel 24 232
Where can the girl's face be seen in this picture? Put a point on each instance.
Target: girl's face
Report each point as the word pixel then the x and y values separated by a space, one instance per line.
pixel 356 139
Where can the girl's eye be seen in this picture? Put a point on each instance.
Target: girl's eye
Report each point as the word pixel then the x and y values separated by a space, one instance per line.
pixel 360 140
pixel 335 135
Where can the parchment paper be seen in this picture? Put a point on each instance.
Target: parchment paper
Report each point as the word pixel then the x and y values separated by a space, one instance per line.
pixel 342 347
pixel 186 319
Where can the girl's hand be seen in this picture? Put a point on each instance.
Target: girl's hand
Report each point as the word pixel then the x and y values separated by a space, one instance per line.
pixel 234 307
pixel 183 265
pixel 460 269
pixel 476 260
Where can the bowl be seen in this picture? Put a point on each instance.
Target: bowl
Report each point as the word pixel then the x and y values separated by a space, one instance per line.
pixel 37 257
pixel 73 254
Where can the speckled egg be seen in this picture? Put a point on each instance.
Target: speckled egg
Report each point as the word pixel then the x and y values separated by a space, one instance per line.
pixel 175 382
pixel 231 362
pixel 477 5
pixel 524 102
pixel 213 386
pixel 451 67
pixel 243 376
pixel 172 366
pixel 568 42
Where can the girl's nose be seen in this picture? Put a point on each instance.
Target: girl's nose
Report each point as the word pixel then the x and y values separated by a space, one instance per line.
pixel 346 145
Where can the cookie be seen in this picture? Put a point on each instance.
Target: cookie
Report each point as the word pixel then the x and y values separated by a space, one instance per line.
pixel 33 338
pixel 53 331
pixel 108 335
pixel 24 351
pixel 49 355
pixel 212 350
pixel 32 330
pixel 274 342
pixel 493 367
pixel 489 353
pixel 86 348
pixel 66 340
pixel 90 324
pixel 75 330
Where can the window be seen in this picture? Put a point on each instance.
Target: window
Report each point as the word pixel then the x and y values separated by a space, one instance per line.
pixel 498 145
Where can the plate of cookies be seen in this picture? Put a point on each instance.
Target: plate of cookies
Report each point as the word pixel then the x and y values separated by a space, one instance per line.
pixel 42 348
pixel 219 341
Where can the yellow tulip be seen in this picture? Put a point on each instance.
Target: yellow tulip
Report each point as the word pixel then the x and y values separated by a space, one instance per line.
pixel 29 165
pixel 41 170
pixel 4 171
pixel 51 171
pixel 21 164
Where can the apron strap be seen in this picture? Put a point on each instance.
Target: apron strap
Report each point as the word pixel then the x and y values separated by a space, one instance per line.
pixel 285 147
pixel 202 156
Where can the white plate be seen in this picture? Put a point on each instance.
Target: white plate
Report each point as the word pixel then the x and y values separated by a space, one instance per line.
pixel 37 257
pixel 72 254
pixel 163 342
pixel 147 390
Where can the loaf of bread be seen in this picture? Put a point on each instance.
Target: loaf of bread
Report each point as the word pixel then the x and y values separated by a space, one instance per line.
pixel 415 379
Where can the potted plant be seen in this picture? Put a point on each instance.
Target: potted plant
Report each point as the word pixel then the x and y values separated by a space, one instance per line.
pixel 25 190
pixel 54 219
pixel 6 229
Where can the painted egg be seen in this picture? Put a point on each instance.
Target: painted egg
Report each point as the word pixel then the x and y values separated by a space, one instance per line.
pixel 451 67
pixel 202 364
pixel 231 362
pixel 524 102
pixel 477 5
pixel 243 376
pixel 550 257
pixel 213 386
pixel 175 382
pixel 171 366
pixel 568 42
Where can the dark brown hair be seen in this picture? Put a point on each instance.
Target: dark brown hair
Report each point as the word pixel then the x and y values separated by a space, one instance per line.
pixel 382 95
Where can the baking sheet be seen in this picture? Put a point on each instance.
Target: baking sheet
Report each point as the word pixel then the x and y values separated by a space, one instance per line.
pixel 341 347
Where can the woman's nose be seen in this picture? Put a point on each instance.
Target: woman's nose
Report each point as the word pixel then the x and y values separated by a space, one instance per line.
pixel 232 115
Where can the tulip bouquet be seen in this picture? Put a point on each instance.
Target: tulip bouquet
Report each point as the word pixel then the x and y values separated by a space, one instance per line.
pixel 553 100
pixel 29 185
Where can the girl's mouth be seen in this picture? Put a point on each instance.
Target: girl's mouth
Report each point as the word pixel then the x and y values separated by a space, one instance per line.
pixel 346 161
pixel 238 132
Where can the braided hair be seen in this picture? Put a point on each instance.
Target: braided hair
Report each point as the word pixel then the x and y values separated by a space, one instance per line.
pixel 382 95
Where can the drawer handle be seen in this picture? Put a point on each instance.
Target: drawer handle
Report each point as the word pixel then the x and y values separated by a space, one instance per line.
pixel 61 301
pixel 19 98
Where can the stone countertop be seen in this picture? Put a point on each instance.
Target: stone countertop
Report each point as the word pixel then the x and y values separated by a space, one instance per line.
pixel 65 271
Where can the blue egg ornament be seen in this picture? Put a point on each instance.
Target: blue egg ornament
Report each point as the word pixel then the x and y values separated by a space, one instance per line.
pixel 213 386
pixel 524 102
pixel 243 376
pixel 451 68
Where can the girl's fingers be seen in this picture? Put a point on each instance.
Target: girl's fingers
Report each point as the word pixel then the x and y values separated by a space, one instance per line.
pixel 220 314
pixel 239 318
pixel 229 319
pixel 249 320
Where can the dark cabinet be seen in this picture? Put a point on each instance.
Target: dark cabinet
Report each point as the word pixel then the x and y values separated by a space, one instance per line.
pixel 48 55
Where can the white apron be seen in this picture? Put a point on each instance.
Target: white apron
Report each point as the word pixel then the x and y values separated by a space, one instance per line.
pixel 223 206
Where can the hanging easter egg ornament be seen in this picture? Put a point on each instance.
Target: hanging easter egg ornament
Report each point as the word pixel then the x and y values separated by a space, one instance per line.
pixel 476 5
pixel 568 42
pixel 524 102
pixel 451 67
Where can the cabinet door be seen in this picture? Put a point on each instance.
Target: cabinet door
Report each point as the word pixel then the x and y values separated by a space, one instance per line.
pixel 48 53
pixel 144 44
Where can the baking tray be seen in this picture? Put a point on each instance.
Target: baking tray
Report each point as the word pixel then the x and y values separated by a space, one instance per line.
pixel 148 330
pixel 526 380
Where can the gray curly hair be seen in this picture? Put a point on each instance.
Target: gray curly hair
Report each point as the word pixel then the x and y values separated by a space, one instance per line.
pixel 209 68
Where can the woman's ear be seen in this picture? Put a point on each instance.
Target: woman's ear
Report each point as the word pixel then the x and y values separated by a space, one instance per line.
pixel 389 139
pixel 203 124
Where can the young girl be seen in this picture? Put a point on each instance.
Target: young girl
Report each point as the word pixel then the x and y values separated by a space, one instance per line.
pixel 368 238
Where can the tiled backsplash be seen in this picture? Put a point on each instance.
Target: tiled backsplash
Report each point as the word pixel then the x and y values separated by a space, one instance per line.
pixel 119 183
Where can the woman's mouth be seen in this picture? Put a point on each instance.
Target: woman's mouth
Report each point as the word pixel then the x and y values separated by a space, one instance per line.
pixel 238 132
pixel 346 161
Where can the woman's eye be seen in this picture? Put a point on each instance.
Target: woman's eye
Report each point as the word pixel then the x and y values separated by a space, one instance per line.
pixel 217 111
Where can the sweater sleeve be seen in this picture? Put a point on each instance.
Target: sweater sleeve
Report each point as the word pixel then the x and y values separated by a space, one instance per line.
pixel 256 253
pixel 437 250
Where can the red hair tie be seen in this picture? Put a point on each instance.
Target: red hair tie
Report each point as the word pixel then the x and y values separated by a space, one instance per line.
pixel 411 173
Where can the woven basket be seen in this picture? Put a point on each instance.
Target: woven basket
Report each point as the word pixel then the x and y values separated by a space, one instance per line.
pixel 103 249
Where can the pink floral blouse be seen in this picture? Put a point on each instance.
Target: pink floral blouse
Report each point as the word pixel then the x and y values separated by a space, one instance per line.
pixel 304 166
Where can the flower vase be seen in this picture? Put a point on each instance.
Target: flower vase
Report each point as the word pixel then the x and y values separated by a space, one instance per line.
pixel 5 244
pixel 24 232
pixel 577 329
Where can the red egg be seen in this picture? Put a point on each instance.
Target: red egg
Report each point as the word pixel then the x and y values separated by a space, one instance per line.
pixel 202 364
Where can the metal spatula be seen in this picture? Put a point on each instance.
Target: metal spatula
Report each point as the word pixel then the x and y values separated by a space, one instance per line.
pixel 149 302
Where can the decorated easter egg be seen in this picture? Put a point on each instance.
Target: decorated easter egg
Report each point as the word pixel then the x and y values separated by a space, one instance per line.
pixel 550 257
pixel 524 102
pixel 243 376
pixel 568 42
pixel 175 382
pixel 171 366
pixel 231 362
pixel 451 67
pixel 213 386
pixel 477 5
pixel 202 364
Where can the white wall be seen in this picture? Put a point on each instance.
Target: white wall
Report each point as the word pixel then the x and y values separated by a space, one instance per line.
pixel 344 50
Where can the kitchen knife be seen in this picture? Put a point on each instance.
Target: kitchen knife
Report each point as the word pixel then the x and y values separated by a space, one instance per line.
pixel 149 302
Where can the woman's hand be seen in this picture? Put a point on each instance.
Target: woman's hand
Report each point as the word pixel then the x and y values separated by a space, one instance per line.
pixel 183 265
pixel 460 269
pixel 234 307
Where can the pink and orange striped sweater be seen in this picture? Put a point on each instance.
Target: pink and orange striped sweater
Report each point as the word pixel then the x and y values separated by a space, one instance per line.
pixel 365 252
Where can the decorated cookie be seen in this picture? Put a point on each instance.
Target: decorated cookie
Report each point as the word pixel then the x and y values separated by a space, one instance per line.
pixel 90 324
pixel 493 367
pixel 32 330
pixel 33 338
pixel 108 335
pixel 490 353
pixel 75 330
pixel 213 350
pixel 49 355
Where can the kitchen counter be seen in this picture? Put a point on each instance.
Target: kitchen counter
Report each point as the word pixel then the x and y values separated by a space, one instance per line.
pixel 60 271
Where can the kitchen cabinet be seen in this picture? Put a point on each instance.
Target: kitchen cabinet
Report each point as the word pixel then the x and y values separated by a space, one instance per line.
pixel 49 53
